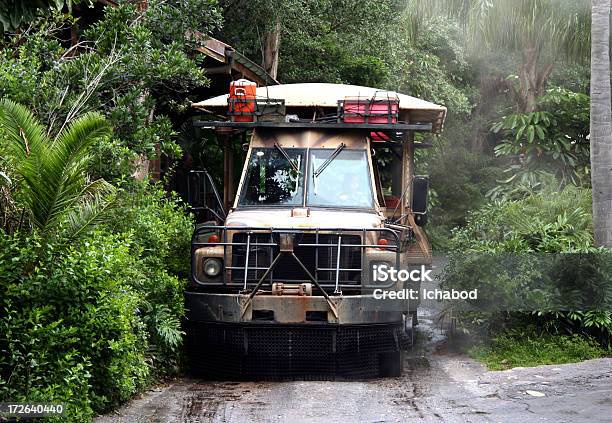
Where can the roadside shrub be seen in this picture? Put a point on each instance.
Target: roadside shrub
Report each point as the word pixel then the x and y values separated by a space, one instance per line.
pixel 160 230
pixel 159 225
pixel 548 222
pixel 90 324
pixel 69 325
pixel 534 256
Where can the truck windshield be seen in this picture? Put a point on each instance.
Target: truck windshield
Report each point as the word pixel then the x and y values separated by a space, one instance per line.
pixel 272 180
pixel 345 181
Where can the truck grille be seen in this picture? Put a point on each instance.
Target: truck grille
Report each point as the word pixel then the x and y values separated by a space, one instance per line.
pixel 303 352
pixel 318 260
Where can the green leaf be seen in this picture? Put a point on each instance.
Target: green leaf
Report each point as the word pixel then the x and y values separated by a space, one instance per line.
pixel 530 133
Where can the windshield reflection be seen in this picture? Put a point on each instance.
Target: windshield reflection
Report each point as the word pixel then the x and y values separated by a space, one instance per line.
pixel 272 180
pixel 345 181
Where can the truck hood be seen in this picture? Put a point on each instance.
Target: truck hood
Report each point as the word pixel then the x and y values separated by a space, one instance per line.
pixel 318 219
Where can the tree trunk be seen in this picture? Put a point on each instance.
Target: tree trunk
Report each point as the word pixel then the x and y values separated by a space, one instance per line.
pixel 531 79
pixel 601 123
pixel 271 47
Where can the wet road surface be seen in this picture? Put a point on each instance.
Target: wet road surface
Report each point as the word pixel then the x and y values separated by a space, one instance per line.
pixel 436 386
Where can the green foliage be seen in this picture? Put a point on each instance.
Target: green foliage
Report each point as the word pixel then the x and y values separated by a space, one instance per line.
pixel 535 255
pixel 431 64
pixel 329 61
pixel 90 324
pixel 160 230
pixel 549 221
pixel 573 77
pixel 179 20
pixel 554 27
pixel 333 41
pixel 18 74
pixel 461 179
pixel 551 140
pixel 14 13
pixel 340 42
pixel 537 33
pixel 354 42
pixel 529 347
pixel 159 224
pixel 53 188
pixel 69 325
pixel 135 67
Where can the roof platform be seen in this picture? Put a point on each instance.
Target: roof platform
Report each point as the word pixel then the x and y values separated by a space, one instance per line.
pixel 399 127
pixel 414 114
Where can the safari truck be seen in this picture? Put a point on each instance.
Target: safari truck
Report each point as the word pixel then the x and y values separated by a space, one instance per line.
pixel 282 272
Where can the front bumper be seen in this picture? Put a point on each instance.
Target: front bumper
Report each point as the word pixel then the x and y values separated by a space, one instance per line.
pixel 292 309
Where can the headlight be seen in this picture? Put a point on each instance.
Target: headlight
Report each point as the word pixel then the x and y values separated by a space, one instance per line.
pixel 212 267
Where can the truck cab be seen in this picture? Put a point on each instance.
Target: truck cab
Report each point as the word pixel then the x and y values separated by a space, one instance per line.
pixel 282 283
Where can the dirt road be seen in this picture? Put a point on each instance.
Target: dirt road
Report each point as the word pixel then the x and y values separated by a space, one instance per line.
pixel 437 386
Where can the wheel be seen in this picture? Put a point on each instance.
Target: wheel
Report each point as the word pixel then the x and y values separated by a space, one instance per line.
pixel 391 364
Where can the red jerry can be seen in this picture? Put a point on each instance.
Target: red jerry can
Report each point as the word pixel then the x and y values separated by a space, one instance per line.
pixel 242 99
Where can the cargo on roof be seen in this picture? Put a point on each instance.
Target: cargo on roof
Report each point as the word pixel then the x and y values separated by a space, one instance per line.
pixel 323 95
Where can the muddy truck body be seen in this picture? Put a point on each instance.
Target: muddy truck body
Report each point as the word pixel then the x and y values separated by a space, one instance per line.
pixel 282 273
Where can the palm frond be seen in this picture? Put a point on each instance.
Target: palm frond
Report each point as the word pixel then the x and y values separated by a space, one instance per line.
pixel 79 136
pixel 24 135
pixel 26 143
pixel 556 27
pixel 66 163
pixel 53 173
pixel 5 181
pixel 98 197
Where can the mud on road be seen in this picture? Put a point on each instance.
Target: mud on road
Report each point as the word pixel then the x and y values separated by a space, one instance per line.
pixel 436 386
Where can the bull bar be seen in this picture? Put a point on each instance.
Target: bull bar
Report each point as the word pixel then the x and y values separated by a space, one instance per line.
pixel 283 235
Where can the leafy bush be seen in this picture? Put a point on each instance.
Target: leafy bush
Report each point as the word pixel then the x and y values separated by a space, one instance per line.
pixel 160 230
pixel 459 180
pixel 535 256
pixel 69 325
pixel 90 324
pixel 550 221
pixel 553 140
pixel 158 223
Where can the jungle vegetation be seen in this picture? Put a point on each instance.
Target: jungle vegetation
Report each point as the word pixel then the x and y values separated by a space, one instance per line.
pixel 93 260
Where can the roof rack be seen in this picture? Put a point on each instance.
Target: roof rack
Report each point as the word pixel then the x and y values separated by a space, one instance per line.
pixel 398 127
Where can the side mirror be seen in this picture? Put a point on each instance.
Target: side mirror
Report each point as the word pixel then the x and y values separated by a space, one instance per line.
pixel 420 194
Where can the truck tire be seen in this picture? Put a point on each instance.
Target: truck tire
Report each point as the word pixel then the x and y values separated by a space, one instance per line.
pixel 391 364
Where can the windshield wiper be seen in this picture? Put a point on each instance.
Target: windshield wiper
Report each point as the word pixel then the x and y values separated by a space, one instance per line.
pixel 286 156
pixel 329 160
